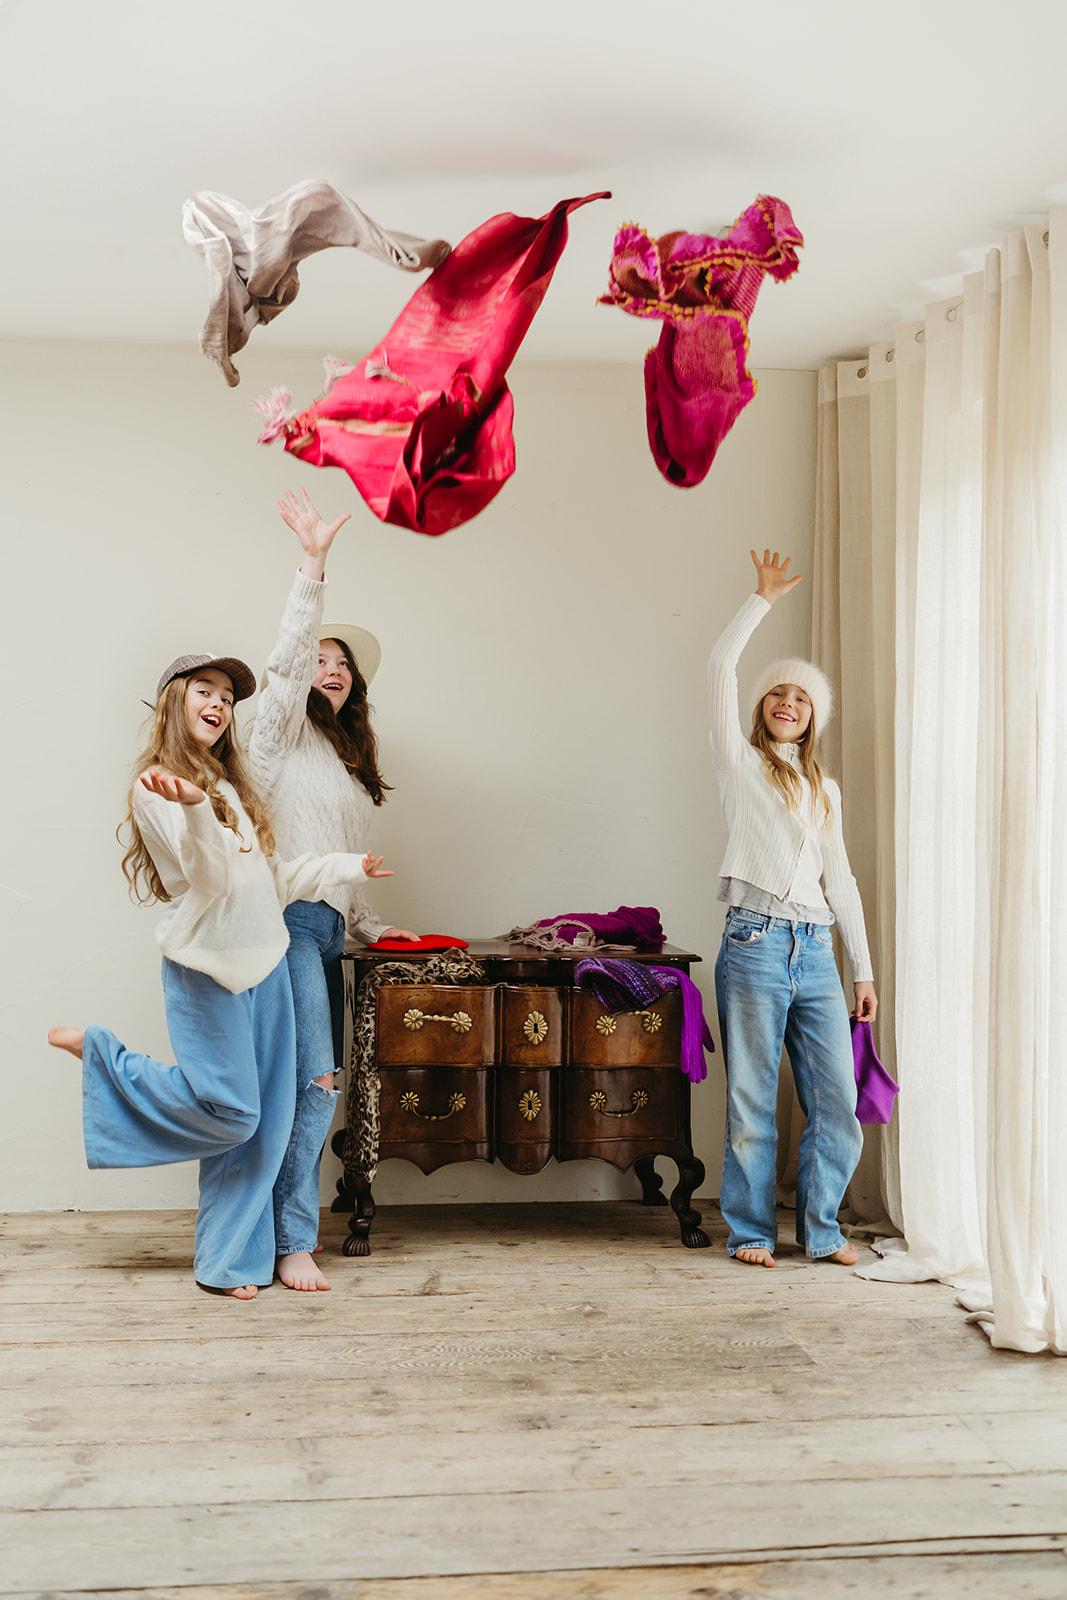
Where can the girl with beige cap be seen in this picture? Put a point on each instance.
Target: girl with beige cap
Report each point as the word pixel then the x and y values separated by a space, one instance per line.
pixel 201 846
pixel 786 879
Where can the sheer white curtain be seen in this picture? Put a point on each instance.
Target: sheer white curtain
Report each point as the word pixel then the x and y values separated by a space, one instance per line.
pixel 941 601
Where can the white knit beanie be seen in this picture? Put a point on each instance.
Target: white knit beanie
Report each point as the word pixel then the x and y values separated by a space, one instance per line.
pixel 807 676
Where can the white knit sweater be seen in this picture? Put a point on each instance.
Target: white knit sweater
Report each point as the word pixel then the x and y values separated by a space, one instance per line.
pixel 314 803
pixel 788 853
pixel 224 916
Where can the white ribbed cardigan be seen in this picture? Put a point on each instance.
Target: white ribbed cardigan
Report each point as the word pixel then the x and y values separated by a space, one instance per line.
pixel 765 838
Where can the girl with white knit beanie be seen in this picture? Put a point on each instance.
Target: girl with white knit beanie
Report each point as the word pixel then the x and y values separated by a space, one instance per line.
pixel 314 758
pixel 785 878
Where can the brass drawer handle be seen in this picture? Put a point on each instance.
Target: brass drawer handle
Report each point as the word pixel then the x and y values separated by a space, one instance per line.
pixel 530 1105
pixel 459 1021
pixel 409 1101
pixel 651 1021
pixel 536 1027
pixel 599 1102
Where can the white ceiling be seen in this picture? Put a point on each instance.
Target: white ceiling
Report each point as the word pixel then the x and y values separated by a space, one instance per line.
pixel 906 137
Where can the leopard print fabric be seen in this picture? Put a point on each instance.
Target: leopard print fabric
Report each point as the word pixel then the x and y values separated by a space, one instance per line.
pixel 362 1118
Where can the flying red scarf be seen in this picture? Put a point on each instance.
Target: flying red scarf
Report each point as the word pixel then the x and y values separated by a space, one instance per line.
pixel 422 425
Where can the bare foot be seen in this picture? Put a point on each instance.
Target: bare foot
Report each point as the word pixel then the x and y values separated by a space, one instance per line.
pixel 298 1271
pixel 319 1248
pixel 755 1256
pixel 247 1291
pixel 848 1255
pixel 70 1039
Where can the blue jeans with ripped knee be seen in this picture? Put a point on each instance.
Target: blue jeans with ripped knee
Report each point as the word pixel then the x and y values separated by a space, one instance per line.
pixel 777 984
pixel 316 943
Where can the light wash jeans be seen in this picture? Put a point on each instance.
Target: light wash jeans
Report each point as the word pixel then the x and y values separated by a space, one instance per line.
pixel 777 983
pixel 316 943
pixel 228 1103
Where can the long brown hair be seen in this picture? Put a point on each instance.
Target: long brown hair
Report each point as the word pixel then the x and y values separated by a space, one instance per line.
pixel 171 746
pixel 782 774
pixel 349 730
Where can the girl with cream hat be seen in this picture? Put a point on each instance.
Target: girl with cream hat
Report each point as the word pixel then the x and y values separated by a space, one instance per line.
pixel 314 757
pixel 786 879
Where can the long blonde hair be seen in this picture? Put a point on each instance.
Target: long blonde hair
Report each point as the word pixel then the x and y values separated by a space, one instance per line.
pixel 171 746
pixel 782 774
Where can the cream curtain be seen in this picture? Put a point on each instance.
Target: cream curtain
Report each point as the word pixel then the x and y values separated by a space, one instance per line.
pixel 940 606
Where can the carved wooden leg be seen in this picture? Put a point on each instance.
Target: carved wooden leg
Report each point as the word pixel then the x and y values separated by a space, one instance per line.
pixel 344 1199
pixel 690 1177
pixel 650 1181
pixel 359 1223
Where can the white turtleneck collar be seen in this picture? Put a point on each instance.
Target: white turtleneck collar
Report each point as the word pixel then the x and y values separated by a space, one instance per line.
pixel 788 752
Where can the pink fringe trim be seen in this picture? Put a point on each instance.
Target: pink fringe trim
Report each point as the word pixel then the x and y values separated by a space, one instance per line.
pixel 276 409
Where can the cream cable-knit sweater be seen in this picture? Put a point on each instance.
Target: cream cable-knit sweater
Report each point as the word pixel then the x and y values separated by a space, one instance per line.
pixel 313 802
pixel 783 851
pixel 224 916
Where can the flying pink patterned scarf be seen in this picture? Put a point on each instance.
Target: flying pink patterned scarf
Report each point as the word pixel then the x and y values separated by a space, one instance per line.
pixel 423 424
pixel 703 290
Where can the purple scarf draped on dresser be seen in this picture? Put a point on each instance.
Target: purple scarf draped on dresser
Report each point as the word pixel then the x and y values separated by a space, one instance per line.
pixel 633 985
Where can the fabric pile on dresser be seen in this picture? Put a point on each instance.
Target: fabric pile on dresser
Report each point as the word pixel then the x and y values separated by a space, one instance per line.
pixel 625 928
pixel 362 1116
pixel 636 985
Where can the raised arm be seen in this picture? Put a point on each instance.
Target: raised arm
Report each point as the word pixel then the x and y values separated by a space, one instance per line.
pixel 729 739
pixel 291 666
pixel 180 828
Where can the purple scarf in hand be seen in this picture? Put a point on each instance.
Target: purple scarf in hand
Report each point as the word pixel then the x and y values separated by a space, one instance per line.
pixel 633 986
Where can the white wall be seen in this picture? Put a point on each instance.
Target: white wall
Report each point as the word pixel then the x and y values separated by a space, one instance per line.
pixel 540 702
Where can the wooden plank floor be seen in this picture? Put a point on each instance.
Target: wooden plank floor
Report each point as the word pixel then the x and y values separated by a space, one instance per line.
pixel 533 1402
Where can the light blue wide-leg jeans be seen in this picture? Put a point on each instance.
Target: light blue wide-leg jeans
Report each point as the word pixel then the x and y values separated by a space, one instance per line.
pixel 227 1103
pixel 316 943
pixel 776 984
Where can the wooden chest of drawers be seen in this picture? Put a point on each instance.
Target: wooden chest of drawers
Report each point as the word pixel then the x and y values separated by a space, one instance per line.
pixel 522 1068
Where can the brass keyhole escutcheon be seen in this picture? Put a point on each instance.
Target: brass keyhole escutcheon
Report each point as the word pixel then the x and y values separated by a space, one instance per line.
pixel 536 1027
pixel 530 1105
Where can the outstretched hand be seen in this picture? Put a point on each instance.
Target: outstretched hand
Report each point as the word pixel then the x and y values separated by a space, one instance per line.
pixel 372 866
pixel 168 787
pixel 773 575
pixel 315 535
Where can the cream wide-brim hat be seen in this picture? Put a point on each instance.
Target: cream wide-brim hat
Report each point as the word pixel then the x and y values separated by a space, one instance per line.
pixel 365 648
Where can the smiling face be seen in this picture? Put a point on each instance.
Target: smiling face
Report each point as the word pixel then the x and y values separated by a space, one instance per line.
pixel 208 705
pixel 786 713
pixel 333 675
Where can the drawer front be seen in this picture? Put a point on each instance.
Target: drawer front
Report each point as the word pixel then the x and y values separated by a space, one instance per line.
pixel 619 1104
pixel 525 1116
pixel 436 1107
pixel 532 1027
pixel 435 1025
pixel 649 1038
